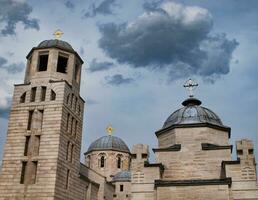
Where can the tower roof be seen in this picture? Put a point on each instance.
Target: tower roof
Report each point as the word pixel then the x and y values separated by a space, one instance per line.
pixel 108 142
pixel 122 176
pixel 56 43
pixel 192 113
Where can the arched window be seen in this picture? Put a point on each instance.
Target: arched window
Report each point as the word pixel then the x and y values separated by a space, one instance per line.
pixel 23 98
pixel 68 99
pixel 52 95
pixel 102 161
pixel 119 161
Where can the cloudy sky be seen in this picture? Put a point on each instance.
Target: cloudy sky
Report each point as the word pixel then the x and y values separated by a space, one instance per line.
pixel 137 55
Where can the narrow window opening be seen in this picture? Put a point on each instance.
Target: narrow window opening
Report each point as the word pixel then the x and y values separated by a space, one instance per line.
pixel 43 93
pixel 239 152
pixel 119 162
pixel 24 164
pixel 133 156
pixel 68 99
pixel 144 155
pixel 67 122
pixel 121 188
pixel 72 126
pixel 62 64
pixel 102 161
pixel 34 172
pixel 43 61
pixel 72 101
pixel 72 149
pixel 52 96
pixel 75 104
pixel 30 119
pixel 76 128
pixel 36 145
pixel 79 109
pixel 33 94
pixel 67 150
pixel 40 119
pixel 67 179
pixel 27 141
pixel 250 151
pixel 23 98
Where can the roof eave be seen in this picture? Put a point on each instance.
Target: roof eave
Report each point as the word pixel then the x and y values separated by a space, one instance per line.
pixel 193 125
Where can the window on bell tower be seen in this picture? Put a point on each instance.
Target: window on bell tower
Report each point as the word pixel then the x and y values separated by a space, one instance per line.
pixel 62 63
pixel 43 61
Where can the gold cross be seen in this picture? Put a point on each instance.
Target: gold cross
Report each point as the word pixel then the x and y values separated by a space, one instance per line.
pixel 109 129
pixel 58 34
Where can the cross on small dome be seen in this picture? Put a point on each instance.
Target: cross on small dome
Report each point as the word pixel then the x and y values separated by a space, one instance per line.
pixel 58 34
pixel 109 129
pixel 190 85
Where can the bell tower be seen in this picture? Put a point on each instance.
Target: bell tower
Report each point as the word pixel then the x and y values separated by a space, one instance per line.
pixel 42 152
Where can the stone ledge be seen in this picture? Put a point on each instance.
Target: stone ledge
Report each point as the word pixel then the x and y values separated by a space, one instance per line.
pixel 208 146
pixel 222 128
pixel 164 183
pixel 175 147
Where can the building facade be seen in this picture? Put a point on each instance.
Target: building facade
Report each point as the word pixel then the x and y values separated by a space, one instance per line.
pixel 42 151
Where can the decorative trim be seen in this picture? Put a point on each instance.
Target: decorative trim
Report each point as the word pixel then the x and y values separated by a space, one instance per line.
pixel 175 147
pixel 208 146
pixel 230 162
pixel 222 128
pixel 107 149
pixel 22 84
pixel 163 183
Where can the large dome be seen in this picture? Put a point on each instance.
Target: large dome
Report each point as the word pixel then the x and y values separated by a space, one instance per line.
pixel 56 43
pixel 192 113
pixel 108 142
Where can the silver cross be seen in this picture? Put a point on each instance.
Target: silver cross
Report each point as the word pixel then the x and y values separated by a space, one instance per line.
pixel 190 85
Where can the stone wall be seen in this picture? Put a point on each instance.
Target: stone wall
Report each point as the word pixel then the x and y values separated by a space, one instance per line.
pixel 92 160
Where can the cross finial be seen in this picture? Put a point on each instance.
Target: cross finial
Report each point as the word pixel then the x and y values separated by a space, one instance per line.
pixel 190 85
pixel 109 130
pixel 58 34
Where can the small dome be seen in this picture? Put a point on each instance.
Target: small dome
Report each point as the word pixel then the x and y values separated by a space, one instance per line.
pixel 56 43
pixel 122 176
pixel 108 142
pixel 192 113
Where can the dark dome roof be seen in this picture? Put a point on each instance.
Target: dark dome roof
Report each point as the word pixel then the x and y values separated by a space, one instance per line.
pixel 56 43
pixel 122 176
pixel 192 113
pixel 108 142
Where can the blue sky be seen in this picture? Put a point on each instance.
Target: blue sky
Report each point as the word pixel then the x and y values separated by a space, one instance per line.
pixel 137 55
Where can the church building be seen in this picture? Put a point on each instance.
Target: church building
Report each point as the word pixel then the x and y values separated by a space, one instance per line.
pixel 193 156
